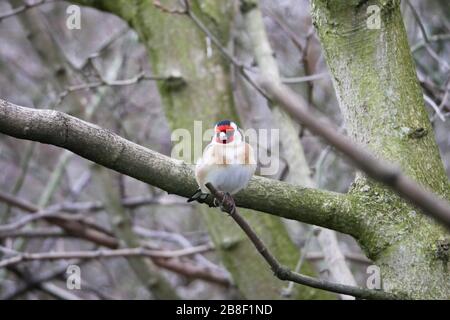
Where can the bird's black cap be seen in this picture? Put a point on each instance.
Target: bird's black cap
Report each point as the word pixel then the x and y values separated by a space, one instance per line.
pixel 223 123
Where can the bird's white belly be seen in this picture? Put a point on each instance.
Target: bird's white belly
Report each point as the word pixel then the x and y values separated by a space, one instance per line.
pixel 231 178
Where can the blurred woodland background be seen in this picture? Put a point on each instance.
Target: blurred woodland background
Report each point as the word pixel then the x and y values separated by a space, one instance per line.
pixel 103 74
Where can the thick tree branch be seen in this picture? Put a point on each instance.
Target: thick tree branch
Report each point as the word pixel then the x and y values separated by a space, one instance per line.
pixel 377 169
pixel 327 209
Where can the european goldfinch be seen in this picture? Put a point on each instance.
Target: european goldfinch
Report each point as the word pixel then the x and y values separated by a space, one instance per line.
pixel 228 162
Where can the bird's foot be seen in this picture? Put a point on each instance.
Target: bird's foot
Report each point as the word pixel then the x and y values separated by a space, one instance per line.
pixel 227 204
pixel 199 196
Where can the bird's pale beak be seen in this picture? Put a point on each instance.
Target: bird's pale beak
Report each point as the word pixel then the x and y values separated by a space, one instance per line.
pixel 223 136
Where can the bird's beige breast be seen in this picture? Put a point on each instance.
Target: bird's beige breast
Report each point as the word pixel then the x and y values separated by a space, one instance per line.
pixel 219 157
pixel 230 154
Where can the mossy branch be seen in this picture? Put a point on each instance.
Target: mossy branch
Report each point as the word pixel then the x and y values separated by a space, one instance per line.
pixel 377 169
pixel 327 209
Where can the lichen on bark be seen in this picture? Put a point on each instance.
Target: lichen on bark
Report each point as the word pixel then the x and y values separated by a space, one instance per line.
pixel 378 92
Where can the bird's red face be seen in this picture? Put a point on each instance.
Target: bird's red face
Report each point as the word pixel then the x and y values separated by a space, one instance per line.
pixel 224 133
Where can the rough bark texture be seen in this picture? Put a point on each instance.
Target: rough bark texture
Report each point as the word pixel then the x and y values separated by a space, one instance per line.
pixel 379 95
pixel 292 149
pixel 202 92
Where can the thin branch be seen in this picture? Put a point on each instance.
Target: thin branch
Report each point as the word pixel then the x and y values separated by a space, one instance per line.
pixel 444 98
pixel 195 271
pixel 285 27
pixel 104 47
pixel 26 6
pixel 434 106
pixel 241 67
pixel 24 166
pixel 44 214
pixel 35 233
pixel 312 77
pixel 36 282
pixel 158 5
pixel 379 170
pixel 81 229
pixel 434 38
pixel 430 50
pixel 299 171
pixel 179 240
pixel 90 233
pixel 111 192
pixel 287 291
pixel 283 273
pixel 104 253
pixel 107 83
pixel 49 288
pixel 354 257
pixel 92 206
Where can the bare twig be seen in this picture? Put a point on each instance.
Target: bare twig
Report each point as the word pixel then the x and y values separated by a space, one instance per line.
pixel 179 240
pixel 312 77
pixel 434 38
pixel 36 282
pixel 195 271
pixel 35 233
pixel 158 5
pixel 354 257
pixel 283 273
pixel 299 172
pixel 43 214
pixel 74 207
pixel 24 166
pixel 224 52
pixel 430 50
pixel 81 229
pixel 288 290
pixel 434 106
pixel 90 233
pixel 104 253
pixel 106 83
pixel 379 170
pixel 104 47
pixel 26 6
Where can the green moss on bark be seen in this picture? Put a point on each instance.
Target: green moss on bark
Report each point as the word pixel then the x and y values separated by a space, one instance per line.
pixel 381 100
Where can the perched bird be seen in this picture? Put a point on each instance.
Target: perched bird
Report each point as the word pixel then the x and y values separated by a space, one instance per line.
pixel 228 162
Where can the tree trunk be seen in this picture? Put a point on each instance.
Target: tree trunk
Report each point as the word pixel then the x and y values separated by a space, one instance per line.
pixel 298 171
pixel 200 90
pixel 380 97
